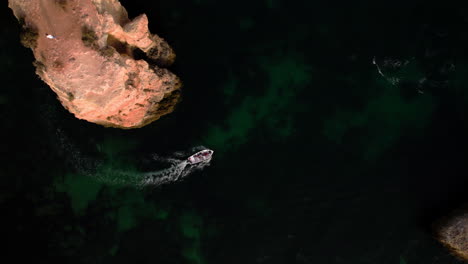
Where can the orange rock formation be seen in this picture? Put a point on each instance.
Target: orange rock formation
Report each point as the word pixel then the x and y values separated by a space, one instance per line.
pixel 85 51
pixel 452 231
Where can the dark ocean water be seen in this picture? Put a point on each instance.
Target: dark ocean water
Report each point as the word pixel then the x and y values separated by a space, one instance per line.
pixel 339 132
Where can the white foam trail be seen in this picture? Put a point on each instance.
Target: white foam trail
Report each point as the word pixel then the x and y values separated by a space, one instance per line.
pixel 180 166
pixel 176 172
pixel 179 170
pixel 172 174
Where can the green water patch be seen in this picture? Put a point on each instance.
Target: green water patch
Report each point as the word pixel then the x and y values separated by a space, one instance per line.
pixel 272 3
pixel 80 189
pixel 118 172
pixel 402 260
pixel 3 100
pixel 286 77
pixel 117 167
pixel 246 23
pixel 125 219
pixel 382 121
pixel 130 208
pixel 191 227
pixel 113 250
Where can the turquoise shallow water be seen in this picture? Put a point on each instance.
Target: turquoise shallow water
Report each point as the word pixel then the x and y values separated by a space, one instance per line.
pixel 339 133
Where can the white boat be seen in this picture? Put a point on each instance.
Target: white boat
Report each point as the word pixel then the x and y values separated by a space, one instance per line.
pixel 201 156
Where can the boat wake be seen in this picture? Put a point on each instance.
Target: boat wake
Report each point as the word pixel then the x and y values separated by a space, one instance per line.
pixel 181 164
pixel 180 168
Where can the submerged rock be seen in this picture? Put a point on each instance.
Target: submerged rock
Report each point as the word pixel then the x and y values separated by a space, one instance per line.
pixel 86 51
pixel 452 231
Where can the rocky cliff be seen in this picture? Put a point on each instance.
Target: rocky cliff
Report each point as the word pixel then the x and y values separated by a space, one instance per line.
pixel 104 67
